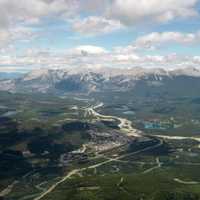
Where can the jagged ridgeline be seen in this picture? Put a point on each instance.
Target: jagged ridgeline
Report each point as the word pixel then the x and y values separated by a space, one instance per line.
pixel 141 81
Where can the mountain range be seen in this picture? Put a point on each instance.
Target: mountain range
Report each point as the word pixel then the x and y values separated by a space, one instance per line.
pixel 139 80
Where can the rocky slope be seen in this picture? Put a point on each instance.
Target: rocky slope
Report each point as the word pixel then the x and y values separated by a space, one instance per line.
pixel 90 80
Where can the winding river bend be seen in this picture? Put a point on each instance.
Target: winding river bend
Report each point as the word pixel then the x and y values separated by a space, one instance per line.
pixel 125 125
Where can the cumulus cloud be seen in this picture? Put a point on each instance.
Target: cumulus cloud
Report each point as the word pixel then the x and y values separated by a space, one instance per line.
pixel 9 37
pixel 16 15
pixel 18 33
pixel 4 38
pixel 103 16
pixel 156 39
pixel 133 11
pixel 94 6
pixel 85 50
pixel 93 57
pixel 19 18
pixel 26 11
pixel 94 25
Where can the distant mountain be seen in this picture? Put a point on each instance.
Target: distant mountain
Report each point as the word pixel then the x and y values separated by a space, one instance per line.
pixel 139 80
pixel 9 75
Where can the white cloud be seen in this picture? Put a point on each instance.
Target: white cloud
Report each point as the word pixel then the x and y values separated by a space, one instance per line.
pixel 25 11
pixel 16 15
pixel 91 49
pixel 128 11
pixel 4 38
pixel 85 50
pixel 93 57
pixel 93 6
pixel 101 17
pixel 18 33
pixel 94 25
pixel 156 39
pixel 134 11
pixel 126 57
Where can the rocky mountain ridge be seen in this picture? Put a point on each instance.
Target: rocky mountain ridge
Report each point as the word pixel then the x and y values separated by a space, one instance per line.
pixel 89 80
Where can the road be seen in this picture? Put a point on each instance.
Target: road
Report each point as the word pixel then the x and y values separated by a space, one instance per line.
pixel 77 171
pixel 126 126
pixel 186 182
pixel 73 172
pixel 159 164
pixel 178 137
pixel 8 190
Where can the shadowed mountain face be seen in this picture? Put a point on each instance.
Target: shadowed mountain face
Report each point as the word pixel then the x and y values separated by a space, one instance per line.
pixel 141 81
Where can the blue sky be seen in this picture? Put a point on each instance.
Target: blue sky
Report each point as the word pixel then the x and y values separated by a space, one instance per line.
pixel 95 33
